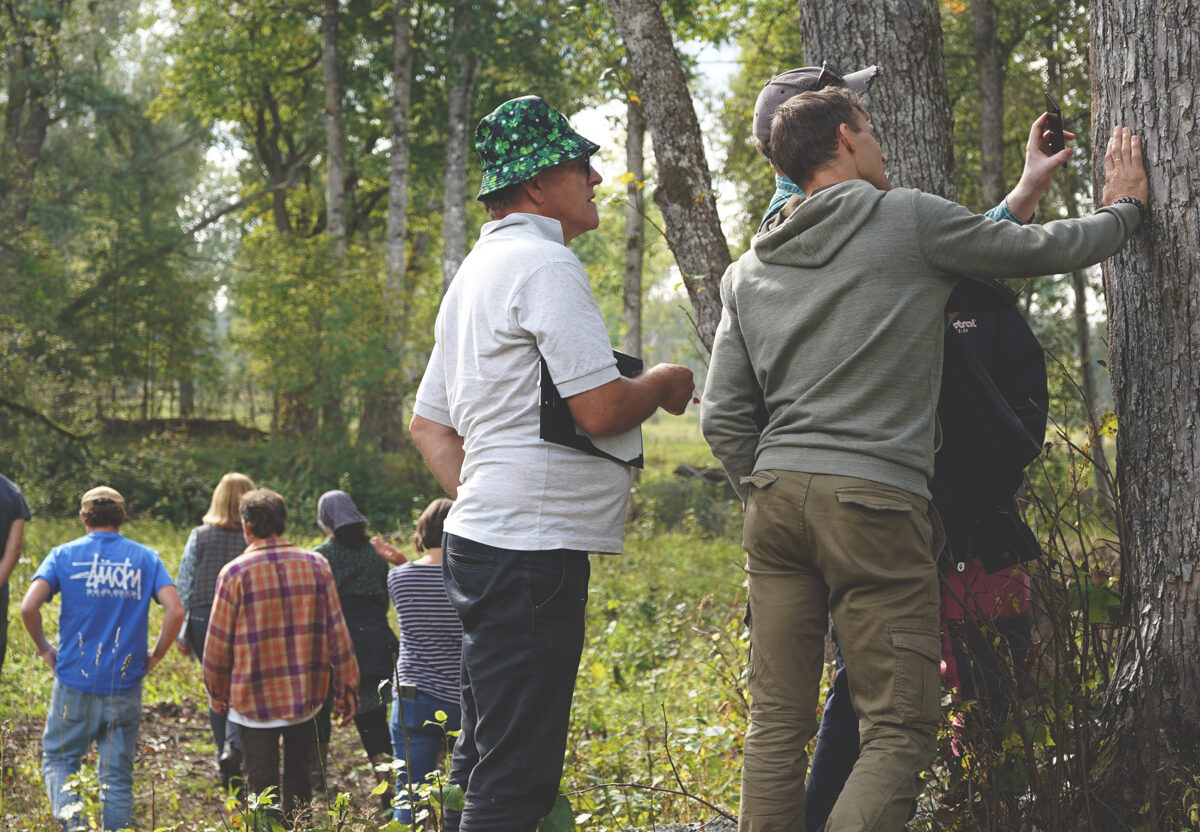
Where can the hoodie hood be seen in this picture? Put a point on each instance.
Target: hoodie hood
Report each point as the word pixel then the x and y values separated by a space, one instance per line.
pixel 809 231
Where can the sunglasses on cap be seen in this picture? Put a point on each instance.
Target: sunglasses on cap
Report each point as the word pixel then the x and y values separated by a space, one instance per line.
pixel 829 76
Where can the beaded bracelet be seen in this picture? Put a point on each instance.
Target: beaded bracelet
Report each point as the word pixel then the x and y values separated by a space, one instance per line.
pixel 1133 200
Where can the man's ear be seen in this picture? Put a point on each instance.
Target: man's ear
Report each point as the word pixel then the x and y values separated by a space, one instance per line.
pixel 533 190
pixel 846 136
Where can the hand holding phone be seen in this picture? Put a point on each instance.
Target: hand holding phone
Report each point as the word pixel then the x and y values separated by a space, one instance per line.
pixel 1054 125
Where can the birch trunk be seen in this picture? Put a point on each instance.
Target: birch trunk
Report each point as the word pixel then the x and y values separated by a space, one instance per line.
pixel 335 131
pixel 383 417
pixel 635 222
pixel 685 192
pixel 454 230
pixel 909 103
pixel 1144 64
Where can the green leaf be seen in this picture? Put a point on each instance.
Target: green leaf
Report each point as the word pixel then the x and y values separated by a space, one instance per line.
pixel 561 817
pixel 454 798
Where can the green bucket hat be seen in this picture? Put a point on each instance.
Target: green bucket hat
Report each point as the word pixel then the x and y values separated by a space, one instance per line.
pixel 520 138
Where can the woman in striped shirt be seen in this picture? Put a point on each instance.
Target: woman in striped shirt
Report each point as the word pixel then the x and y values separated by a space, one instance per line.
pixel 428 666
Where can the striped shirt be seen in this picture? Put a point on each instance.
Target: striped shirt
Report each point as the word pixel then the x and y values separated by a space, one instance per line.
pixel 430 630
pixel 277 634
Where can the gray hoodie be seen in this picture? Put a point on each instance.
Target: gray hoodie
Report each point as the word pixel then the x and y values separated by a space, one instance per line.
pixel 837 315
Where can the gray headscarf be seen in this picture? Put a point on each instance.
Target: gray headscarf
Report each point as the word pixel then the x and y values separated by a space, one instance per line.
pixel 335 509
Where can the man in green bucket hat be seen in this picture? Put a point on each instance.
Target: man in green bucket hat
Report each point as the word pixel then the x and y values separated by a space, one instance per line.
pixel 527 512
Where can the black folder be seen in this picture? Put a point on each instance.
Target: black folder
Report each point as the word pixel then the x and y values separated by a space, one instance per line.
pixel 559 426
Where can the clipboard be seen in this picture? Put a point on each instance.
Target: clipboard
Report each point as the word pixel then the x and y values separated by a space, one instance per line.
pixel 558 425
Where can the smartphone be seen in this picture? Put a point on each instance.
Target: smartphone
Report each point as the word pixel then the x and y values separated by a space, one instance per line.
pixel 1055 125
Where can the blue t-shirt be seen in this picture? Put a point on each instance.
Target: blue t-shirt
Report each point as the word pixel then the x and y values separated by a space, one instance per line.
pixel 106 582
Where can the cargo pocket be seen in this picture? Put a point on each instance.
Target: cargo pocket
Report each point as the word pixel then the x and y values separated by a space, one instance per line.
pixel 916 686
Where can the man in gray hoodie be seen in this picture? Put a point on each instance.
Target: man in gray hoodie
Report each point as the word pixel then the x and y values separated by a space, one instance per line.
pixel 836 315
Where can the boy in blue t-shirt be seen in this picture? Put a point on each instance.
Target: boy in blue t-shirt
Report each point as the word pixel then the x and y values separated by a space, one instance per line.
pixel 107 582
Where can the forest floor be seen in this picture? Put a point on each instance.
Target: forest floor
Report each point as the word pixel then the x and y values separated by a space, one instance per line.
pixel 176 781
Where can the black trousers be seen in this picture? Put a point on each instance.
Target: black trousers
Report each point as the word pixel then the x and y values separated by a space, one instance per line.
pixel 522 615
pixel 260 758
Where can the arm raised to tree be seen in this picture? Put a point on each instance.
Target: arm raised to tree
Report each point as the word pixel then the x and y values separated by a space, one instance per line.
pixel 1124 169
pixel 624 403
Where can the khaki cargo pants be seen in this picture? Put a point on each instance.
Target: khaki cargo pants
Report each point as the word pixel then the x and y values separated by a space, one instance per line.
pixel 863 552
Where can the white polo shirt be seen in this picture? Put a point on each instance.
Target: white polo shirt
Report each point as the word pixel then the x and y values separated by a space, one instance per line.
pixel 521 294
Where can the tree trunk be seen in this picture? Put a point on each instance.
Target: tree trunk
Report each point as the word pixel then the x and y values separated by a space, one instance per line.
pixel 187 397
pixel 1144 62
pixel 990 63
pixel 1087 383
pixel 335 131
pixel 454 213
pixel 634 226
pixel 27 118
pixel 1072 186
pixel 910 101
pixel 383 417
pixel 685 192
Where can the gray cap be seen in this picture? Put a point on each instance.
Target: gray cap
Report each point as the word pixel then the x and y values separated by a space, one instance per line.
pixel 795 81
pixel 336 509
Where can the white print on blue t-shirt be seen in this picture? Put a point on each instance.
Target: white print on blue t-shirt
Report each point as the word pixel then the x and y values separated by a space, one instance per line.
pixel 106 579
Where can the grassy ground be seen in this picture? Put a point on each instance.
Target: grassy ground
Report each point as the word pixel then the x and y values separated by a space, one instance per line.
pixel 659 700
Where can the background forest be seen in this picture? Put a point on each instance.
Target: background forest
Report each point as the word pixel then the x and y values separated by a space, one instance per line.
pixel 225 228
pixel 171 251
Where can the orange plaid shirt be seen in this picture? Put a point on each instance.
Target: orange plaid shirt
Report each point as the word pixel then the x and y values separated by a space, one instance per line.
pixel 276 635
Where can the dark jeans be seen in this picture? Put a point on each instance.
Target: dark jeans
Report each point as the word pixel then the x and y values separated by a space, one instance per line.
pixel 522 615
pixel 991 656
pixel 837 749
pixel 260 757
pixel 222 729
pixel 3 622
pixel 372 725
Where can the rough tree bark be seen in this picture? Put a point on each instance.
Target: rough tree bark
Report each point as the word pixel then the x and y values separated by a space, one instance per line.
pixel 684 193
pixel 635 221
pixel 454 233
pixel 1144 64
pixel 332 416
pixel 990 63
pixel 383 418
pixel 335 130
pixel 909 104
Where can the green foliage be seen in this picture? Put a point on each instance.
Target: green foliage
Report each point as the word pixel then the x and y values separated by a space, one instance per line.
pixel 770 44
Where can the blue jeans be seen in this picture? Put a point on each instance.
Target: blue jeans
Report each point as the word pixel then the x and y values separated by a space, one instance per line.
pixel 522 615
pixel 74 721
pixel 420 745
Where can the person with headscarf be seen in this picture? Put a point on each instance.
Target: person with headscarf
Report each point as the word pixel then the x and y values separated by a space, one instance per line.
pixel 361 579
